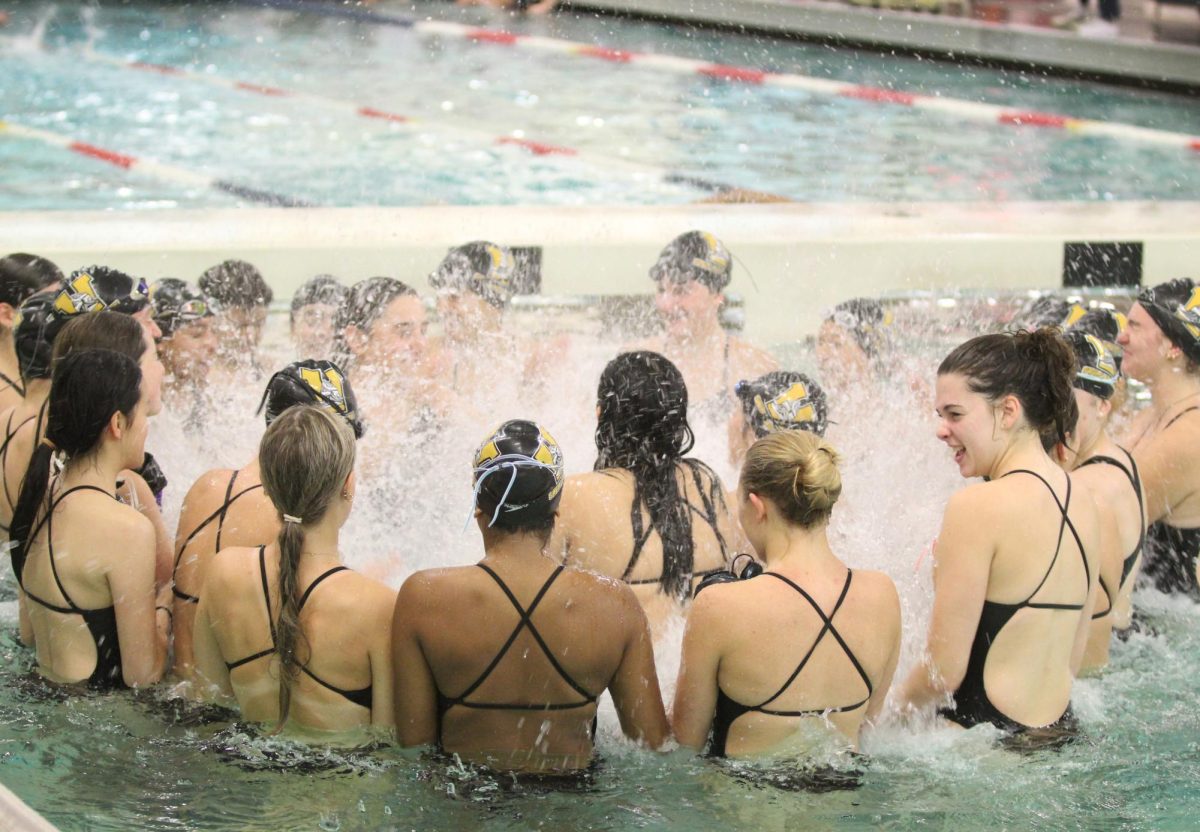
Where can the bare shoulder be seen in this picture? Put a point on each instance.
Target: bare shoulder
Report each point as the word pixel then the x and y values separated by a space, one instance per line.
pixel 207 483
pixel 591 484
pixel 612 597
pixel 231 565
pixel 429 588
pixel 751 359
pixel 879 586
pixel 129 528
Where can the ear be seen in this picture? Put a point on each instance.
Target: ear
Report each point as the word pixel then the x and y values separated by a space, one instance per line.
pixel 758 506
pixel 348 486
pixel 117 425
pixel 7 315
pixel 1105 408
pixel 356 340
pixel 1060 452
pixel 1010 411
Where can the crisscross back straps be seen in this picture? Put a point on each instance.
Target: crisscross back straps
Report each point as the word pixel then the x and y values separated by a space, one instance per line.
pixel 826 627
pixel 47 522
pixel 1066 523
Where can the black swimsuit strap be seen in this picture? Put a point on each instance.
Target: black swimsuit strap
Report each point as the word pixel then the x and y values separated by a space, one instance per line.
pixel 1063 506
pixel 1179 415
pixel 262 571
pixel 826 627
pixel 1135 480
pixel 9 434
pixel 48 523
pixel 525 622
pixel 710 505
pixel 219 512
pixel 331 571
pixel 14 385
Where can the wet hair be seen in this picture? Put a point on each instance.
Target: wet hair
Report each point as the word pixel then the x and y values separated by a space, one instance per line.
pixel 101 330
pixel 798 472
pixel 323 289
pixel 1037 367
pixel 366 300
pixel 88 387
pixel 23 274
pixel 34 335
pixel 305 457
pixel 643 428
pixel 236 284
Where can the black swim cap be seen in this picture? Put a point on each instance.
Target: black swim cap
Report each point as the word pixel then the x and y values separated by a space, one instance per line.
pixel 518 475
pixel 323 289
pixel 236 284
pixel 38 324
pixel 695 255
pixel 1175 307
pixel 866 320
pixel 1096 368
pixel 174 303
pixel 1047 310
pixel 23 274
pixel 484 268
pixel 783 400
pixel 312 382
pixel 98 288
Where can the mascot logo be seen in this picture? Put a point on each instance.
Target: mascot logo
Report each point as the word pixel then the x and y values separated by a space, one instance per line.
pixel 790 409
pixel 79 296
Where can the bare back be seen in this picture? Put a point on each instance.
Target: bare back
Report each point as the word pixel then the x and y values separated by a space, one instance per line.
pixel 17 441
pixel 224 508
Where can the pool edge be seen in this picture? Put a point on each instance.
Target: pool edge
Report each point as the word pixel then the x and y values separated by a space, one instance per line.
pixel 17 816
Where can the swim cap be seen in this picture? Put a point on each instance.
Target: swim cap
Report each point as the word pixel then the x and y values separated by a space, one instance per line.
pixel 696 255
pixel 37 325
pixel 312 382
pixel 365 301
pixel 1047 310
pixel 1105 324
pixel 174 303
pixel 23 274
pixel 783 400
pixel 1175 307
pixel 236 283
pixel 322 289
pixel 1096 368
pixel 97 288
pixel 866 320
pixel 518 475
pixel 484 268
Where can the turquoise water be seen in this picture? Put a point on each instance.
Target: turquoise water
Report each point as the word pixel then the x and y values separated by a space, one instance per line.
pixel 799 145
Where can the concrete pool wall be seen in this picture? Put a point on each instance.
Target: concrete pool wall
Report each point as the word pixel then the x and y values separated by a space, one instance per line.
pixel 793 261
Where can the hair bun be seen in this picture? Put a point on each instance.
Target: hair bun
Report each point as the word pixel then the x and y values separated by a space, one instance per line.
pixel 798 472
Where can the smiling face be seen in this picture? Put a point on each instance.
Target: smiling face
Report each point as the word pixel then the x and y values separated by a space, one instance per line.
pixel 312 329
pixel 1144 344
pixel 398 335
pixel 186 355
pixel 969 425
pixel 683 305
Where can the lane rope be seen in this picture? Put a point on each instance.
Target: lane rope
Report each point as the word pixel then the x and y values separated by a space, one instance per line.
pixel 965 110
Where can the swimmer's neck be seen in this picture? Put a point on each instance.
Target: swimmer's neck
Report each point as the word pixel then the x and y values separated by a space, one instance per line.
pixel 98 469
pixel 321 539
pixel 1024 451
pixel 1173 386
pixel 37 390
pixel 512 548
pixel 793 547
pixel 702 331
pixel 8 356
pixel 1102 445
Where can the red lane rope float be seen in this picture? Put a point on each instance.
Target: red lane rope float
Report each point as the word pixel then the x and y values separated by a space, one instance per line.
pixel 112 157
pixel 538 148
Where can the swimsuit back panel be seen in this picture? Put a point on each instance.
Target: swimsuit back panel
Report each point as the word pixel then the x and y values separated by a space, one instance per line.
pixel 1171 552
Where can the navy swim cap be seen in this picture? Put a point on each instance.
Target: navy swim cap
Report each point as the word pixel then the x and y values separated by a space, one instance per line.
pixel 783 400
pixel 1096 368
pixel 695 255
pixel 174 303
pixel 1175 307
pixel 98 288
pixel 518 475
pixel 484 268
pixel 312 382
pixel 38 324
pixel 1047 310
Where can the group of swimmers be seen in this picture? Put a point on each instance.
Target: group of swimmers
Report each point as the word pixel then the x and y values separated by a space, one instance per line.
pixel 503 662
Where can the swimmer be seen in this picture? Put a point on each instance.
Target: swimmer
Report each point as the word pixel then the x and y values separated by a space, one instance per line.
pixel 229 508
pixel 1161 349
pixel 780 400
pixel 1047 310
pixel 648 514
pixel 1016 561
pixel 852 344
pixel 99 288
pixel 188 342
pixel 85 562
pixel 314 313
pixel 381 329
pixel 21 275
pixel 284 628
pixel 501 663
pixel 810 642
pixel 242 297
pixel 691 275
pixel 1110 473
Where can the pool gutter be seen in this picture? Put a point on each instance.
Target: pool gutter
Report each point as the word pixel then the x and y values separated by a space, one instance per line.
pixel 16 816
pixel 1127 61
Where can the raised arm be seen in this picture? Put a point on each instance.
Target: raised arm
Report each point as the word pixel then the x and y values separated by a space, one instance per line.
pixel 142 631
pixel 634 688
pixel 961 569
pixel 696 687
pixel 414 688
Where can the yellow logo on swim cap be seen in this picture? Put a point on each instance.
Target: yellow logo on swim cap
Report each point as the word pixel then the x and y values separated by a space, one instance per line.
pixel 790 408
pixel 79 296
pixel 329 385
pixel 1076 312
pixel 487 451
pixel 1189 314
pixel 549 453
pixel 716 258
pixel 1104 371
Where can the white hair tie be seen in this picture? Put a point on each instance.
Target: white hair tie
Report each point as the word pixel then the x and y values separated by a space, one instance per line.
pixel 287 518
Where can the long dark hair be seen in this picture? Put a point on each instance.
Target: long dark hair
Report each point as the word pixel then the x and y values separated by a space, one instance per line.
pixel 305 456
pixel 643 428
pixel 87 388
pixel 1037 367
pixel 114 331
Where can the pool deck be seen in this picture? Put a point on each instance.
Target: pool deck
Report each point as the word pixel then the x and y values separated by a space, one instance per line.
pixel 1138 56
pixel 16 816
pixel 794 260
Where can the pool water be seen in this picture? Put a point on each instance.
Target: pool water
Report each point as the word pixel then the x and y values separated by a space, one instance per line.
pixel 658 129
pixel 123 761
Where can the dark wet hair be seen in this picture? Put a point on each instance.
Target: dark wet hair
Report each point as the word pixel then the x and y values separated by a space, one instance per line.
pixel 113 331
pixel 23 274
pixel 34 334
pixel 88 387
pixel 1037 367
pixel 324 289
pixel 366 300
pixel 695 255
pixel 643 428
pixel 519 477
pixel 236 284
